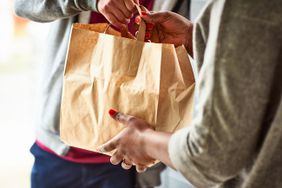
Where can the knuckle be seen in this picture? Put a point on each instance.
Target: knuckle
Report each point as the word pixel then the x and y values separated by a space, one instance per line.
pixel 111 5
pixel 131 120
pixel 103 10
pixel 166 15
pixel 112 2
pixel 107 7
pixel 120 117
pixel 111 146
pixel 118 141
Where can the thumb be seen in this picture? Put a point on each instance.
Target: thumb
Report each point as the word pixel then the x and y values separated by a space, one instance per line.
pixel 156 18
pixel 120 117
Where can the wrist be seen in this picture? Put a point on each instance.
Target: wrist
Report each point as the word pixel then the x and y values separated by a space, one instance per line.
pixel 145 141
pixel 154 143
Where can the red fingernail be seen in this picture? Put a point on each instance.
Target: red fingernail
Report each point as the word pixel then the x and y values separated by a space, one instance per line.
pixel 147 35
pixel 137 19
pixel 143 13
pixel 112 112
pixel 150 26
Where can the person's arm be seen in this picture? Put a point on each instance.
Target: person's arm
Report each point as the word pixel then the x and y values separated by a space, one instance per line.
pixel 50 10
pixel 146 143
pixel 117 12
pixel 172 28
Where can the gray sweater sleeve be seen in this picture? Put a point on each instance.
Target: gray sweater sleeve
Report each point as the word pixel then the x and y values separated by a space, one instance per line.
pixel 232 94
pixel 50 10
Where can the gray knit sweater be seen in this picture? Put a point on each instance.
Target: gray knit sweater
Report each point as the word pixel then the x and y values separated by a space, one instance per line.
pixel 235 139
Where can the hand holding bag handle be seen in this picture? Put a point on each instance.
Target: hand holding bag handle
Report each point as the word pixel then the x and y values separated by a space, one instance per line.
pixel 142 26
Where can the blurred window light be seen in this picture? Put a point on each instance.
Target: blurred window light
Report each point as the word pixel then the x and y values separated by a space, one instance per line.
pixel 21 47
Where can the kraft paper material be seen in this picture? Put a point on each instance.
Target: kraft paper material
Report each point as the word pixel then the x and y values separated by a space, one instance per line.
pixel 104 70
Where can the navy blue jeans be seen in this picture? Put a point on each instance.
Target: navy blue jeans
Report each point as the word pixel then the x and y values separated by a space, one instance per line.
pixel 50 171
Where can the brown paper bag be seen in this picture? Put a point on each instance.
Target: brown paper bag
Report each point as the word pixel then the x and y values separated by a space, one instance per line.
pixel 151 81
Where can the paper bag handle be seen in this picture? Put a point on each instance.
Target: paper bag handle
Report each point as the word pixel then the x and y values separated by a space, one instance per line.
pixel 124 33
pixel 106 29
pixel 142 25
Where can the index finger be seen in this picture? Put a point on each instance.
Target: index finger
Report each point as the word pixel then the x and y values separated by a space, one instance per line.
pixel 120 117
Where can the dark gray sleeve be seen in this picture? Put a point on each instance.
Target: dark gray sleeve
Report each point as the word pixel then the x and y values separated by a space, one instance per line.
pixel 50 10
pixel 233 93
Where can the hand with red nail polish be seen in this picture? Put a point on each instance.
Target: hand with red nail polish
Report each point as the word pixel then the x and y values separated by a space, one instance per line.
pixel 128 142
pixel 172 28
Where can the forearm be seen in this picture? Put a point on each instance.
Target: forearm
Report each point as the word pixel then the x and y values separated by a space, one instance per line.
pixel 50 10
pixel 156 146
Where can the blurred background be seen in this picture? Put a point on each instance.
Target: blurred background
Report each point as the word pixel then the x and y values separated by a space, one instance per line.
pixel 22 43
